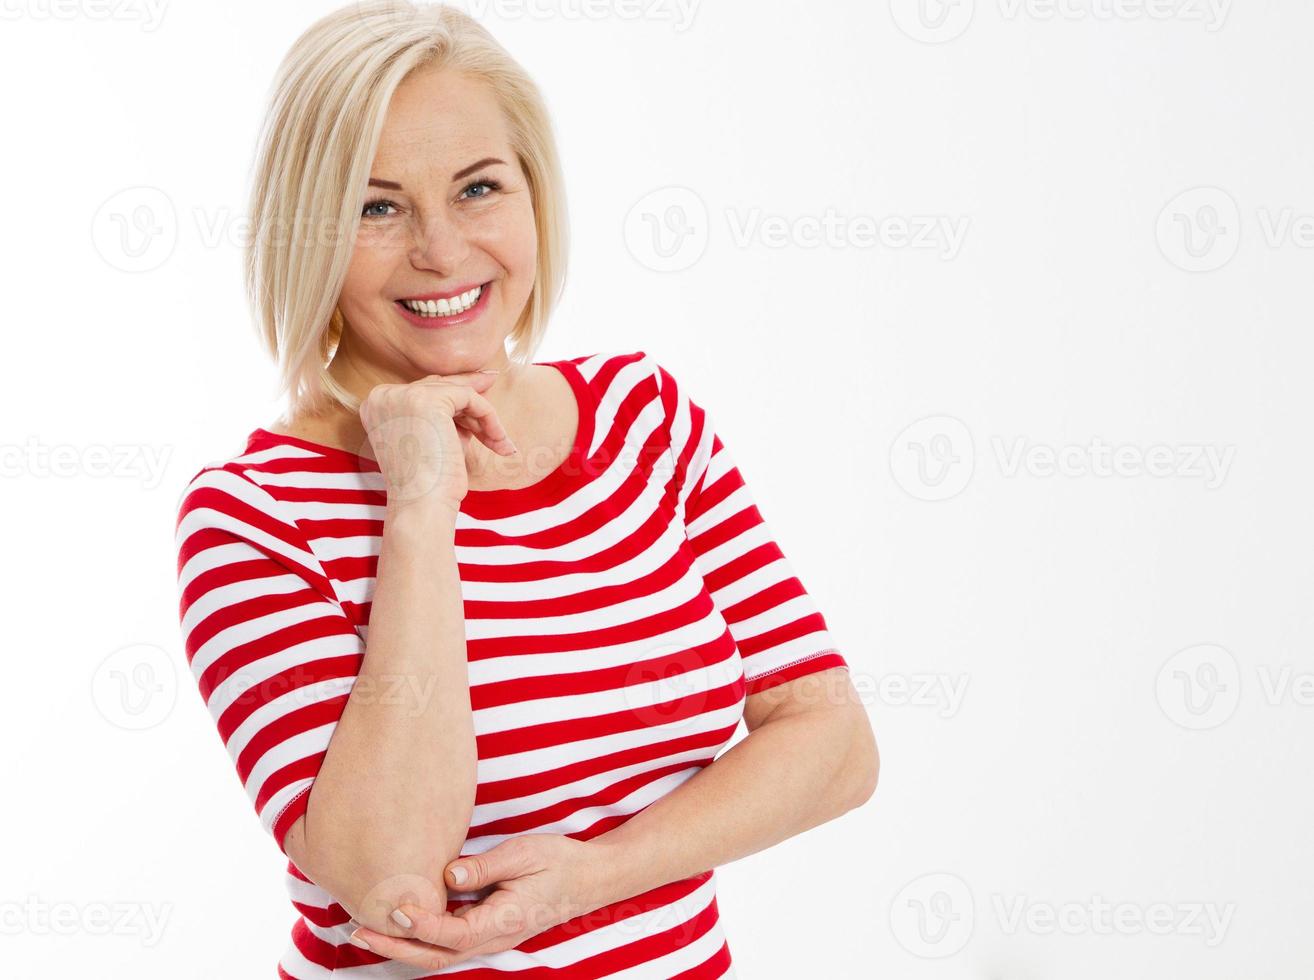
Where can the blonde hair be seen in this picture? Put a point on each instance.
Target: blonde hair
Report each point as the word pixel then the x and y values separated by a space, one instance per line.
pixel 326 113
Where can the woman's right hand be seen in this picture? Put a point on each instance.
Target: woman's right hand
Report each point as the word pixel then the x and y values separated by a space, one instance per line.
pixel 419 432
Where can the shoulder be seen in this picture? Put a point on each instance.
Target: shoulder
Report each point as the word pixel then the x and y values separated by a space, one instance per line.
pixel 237 490
pixel 224 495
pixel 629 375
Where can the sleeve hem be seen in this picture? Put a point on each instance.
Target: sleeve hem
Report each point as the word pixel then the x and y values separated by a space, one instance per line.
pixel 287 816
pixel 822 660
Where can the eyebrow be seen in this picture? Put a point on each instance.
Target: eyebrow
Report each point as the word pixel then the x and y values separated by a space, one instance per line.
pixel 465 171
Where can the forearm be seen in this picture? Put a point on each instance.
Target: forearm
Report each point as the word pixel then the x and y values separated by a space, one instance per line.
pixel 785 777
pixel 392 801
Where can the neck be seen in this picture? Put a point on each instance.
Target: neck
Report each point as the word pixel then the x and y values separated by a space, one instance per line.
pixel 337 426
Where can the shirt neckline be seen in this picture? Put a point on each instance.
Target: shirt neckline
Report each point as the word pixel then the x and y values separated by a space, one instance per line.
pixel 487 503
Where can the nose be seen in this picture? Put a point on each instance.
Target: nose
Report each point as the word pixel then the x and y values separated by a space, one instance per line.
pixel 438 244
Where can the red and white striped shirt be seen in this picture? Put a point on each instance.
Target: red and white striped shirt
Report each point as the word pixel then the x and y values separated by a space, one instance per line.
pixel 617 613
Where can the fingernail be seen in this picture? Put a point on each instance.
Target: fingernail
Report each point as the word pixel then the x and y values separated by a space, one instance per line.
pixel 401 918
pixel 459 875
pixel 358 941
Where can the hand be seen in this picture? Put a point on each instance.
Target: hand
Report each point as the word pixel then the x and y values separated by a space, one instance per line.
pixel 419 432
pixel 538 881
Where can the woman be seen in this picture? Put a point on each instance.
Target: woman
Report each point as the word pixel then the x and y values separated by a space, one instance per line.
pixel 474 628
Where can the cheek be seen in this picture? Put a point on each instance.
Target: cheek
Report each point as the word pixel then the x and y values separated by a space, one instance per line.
pixel 510 237
pixel 371 265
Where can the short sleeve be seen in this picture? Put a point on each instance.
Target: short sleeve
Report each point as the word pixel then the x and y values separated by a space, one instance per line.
pixel 269 645
pixel 780 632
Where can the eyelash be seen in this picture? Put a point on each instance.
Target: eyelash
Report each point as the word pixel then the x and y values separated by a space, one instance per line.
pixel 492 185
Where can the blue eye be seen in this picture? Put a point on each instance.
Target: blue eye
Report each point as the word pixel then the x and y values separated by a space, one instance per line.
pixel 492 185
pixel 378 202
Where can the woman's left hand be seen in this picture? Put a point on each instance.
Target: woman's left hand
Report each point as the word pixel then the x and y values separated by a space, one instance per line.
pixel 539 881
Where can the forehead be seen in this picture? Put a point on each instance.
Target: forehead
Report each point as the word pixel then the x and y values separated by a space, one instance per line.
pixel 438 119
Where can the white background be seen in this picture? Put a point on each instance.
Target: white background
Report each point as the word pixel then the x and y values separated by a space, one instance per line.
pixel 992 550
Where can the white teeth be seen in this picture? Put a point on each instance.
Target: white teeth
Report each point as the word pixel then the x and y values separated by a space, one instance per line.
pixel 444 307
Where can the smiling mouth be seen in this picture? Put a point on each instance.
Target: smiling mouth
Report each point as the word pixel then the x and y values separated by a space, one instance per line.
pixel 438 308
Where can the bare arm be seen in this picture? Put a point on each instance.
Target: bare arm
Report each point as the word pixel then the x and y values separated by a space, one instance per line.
pixel 809 757
pixel 393 799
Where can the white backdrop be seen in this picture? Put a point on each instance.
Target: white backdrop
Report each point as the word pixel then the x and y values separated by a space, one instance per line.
pixel 1002 308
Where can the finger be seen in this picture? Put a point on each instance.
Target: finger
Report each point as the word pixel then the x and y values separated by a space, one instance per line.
pixel 439 928
pixel 515 857
pixel 496 917
pixel 481 418
pixel 474 412
pixel 411 951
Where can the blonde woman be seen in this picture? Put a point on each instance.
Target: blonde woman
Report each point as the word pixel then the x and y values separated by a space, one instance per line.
pixel 476 629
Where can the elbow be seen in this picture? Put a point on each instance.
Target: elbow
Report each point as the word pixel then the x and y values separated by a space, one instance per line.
pixel 866 763
pixel 369 881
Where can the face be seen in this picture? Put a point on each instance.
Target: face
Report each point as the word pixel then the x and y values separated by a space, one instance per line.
pixel 447 215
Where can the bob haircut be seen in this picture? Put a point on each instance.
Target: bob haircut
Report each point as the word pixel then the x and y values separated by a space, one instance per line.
pixel 326 113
